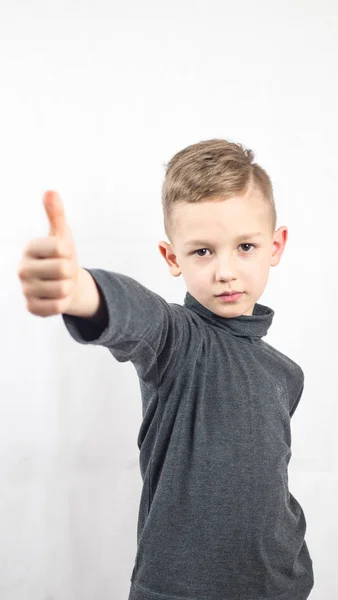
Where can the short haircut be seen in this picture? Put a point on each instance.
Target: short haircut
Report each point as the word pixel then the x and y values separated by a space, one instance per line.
pixel 213 169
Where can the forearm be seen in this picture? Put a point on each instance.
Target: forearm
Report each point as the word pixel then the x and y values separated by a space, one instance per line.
pixel 88 302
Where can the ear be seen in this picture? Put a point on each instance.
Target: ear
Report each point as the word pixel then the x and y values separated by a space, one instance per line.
pixel 279 240
pixel 168 254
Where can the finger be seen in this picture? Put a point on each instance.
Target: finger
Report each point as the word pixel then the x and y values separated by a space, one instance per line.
pixel 48 247
pixel 56 214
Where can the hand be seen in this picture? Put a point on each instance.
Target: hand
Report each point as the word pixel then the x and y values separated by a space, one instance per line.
pixel 49 269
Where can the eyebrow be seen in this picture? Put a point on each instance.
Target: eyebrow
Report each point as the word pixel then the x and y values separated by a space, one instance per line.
pixel 240 237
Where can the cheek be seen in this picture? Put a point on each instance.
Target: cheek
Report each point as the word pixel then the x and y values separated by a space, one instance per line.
pixel 198 278
pixel 258 272
pixel 252 272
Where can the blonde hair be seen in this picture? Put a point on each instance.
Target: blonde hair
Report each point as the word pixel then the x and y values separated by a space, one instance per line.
pixel 213 169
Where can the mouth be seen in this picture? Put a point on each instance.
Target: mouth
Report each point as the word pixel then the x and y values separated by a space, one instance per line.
pixel 230 296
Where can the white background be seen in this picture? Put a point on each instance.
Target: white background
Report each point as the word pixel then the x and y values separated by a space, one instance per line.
pixel 95 98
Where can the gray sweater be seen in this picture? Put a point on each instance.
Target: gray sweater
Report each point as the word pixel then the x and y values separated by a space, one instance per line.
pixel 216 518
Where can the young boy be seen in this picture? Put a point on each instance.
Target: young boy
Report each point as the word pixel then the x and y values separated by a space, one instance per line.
pixel 216 519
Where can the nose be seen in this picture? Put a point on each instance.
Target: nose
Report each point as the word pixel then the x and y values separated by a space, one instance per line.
pixel 224 270
pixel 224 273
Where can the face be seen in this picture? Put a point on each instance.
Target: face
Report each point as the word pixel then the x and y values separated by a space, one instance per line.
pixel 233 250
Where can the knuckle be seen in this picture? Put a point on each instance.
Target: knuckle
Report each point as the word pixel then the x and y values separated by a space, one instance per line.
pixel 58 307
pixel 25 288
pixel 21 271
pixel 61 247
pixel 63 289
pixel 27 248
pixel 63 269
pixel 42 308
pixel 58 247
pixel 31 306
pixel 54 307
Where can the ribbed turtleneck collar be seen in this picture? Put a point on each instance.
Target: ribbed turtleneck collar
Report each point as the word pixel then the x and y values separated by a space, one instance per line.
pixel 248 326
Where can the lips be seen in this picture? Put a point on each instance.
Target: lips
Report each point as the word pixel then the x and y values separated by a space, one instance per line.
pixel 229 293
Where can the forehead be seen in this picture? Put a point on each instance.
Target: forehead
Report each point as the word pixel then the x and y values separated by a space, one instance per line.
pixel 215 219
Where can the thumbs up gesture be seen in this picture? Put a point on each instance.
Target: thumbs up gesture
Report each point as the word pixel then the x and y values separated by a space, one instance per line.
pixel 49 269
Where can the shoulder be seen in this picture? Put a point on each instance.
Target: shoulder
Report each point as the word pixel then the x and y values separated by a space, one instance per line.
pixel 289 366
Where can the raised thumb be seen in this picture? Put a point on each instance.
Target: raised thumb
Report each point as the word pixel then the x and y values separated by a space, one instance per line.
pixel 56 215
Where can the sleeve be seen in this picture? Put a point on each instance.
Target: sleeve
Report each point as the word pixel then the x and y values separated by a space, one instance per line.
pixel 298 397
pixel 141 326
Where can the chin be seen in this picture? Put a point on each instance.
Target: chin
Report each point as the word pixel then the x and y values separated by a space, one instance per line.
pixel 235 310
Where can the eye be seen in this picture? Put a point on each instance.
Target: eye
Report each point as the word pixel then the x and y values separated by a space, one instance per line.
pixel 199 250
pixel 253 245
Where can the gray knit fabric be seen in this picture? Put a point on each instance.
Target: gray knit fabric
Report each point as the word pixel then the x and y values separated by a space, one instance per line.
pixel 216 518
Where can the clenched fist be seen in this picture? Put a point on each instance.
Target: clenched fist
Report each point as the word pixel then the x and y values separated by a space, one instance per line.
pixel 49 269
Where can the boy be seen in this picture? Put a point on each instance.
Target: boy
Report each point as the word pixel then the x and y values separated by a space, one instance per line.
pixel 216 519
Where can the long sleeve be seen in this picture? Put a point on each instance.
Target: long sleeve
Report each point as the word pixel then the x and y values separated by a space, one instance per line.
pixel 298 397
pixel 140 322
